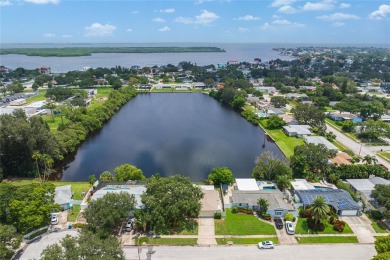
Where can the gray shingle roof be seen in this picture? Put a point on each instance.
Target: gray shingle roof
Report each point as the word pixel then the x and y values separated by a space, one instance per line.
pixel 63 194
pixel 274 198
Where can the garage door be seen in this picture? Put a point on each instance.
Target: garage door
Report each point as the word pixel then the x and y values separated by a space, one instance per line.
pixel 349 212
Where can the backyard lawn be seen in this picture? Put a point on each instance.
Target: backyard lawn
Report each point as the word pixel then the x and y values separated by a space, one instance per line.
pixel 302 228
pixel 325 240
pixel 242 224
pixel 103 91
pixel 72 214
pixel 245 241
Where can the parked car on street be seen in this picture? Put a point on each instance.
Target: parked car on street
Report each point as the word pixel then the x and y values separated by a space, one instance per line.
pixel 266 245
pixel 278 223
pixel 289 228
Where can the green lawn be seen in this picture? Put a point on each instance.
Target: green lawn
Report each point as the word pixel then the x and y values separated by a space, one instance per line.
pixel 384 155
pixel 39 97
pixel 103 91
pixel 77 187
pixel 245 241
pixel 242 224
pixel 57 121
pixel 163 90
pixel 302 228
pixel 376 225
pixel 168 241
pixel 190 228
pixel 72 214
pixel 326 240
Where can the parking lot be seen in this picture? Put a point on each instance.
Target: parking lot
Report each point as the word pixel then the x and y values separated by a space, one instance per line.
pixel 7 99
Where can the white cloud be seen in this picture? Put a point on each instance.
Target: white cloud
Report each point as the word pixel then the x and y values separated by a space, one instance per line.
pixel 286 22
pixel 338 16
pixel 345 5
pixel 168 10
pixel 49 35
pixel 129 30
pixel 164 29
pixel 248 18
pixel 204 18
pixel 320 6
pixel 382 12
pixel 5 3
pixel 266 26
pixel 242 29
pixel 287 9
pixel 43 2
pixel 97 29
pixel 281 22
pixel 276 16
pixel 277 3
pixel 158 20
pixel 66 36
pixel 338 24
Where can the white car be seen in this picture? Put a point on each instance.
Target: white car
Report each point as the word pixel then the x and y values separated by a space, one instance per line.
pixel 266 245
pixel 129 225
pixel 54 219
pixel 289 228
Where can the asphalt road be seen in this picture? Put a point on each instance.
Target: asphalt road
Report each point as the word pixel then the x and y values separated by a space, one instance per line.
pixel 301 252
pixel 316 252
pixel 356 147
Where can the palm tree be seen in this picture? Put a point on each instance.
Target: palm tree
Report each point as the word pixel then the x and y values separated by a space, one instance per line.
pixel 370 159
pixel 37 156
pixel 263 204
pixel 319 209
pixel 48 162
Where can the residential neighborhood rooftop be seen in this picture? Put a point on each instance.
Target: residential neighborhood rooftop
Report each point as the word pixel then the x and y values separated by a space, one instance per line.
pixel 320 140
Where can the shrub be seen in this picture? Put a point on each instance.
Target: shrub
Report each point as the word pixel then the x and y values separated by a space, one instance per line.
pixel 234 209
pixel 266 216
pixel 79 225
pixel 288 217
pixel 333 219
pixel 320 227
pixel 305 213
pixel 217 215
pixel 339 225
pixel 141 240
pixel 245 211
pixel 376 214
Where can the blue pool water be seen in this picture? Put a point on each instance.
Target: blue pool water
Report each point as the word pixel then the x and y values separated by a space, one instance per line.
pixel 269 188
pixel 321 188
pixel 116 189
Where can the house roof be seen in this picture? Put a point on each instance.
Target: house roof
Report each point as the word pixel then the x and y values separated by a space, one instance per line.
pixel 299 129
pixel 136 190
pixel 302 184
pixel 339 199
pixel 320 140
pixel 63 194
pixel 210 201
pixel 341 158
pixel 247 184
pixel 274 198
pixel 366 184
pixel 287 118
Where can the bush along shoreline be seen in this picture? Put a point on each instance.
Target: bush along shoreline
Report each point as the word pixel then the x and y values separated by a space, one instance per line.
pixel 37 151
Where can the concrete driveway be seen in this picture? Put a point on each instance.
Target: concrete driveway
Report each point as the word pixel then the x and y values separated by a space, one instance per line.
pixel 206 232
pixel 362 228
pixel 283 237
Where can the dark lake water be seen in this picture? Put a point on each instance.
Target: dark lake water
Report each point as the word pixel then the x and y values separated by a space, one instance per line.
pixel 172 133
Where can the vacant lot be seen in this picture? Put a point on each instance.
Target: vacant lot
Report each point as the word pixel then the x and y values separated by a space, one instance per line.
pixel 242 224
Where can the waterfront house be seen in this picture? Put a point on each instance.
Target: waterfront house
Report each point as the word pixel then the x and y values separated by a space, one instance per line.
pixel 211 202
pixel 320 140
pixel 297 130
pixel 63 196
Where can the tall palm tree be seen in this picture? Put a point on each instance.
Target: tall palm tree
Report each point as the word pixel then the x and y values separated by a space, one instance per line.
pixel 37 156
pixel 319 209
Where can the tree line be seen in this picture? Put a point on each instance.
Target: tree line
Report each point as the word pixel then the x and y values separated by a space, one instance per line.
pixel 28 147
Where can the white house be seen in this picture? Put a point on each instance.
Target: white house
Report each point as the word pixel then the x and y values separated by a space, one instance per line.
pixel 63 196
pixel 320 140
pixel 297 130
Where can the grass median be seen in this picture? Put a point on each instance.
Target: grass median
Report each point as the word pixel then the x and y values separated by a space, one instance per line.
pixel 245 241
pixel 327 240
pixel 166 241
pixel 242 224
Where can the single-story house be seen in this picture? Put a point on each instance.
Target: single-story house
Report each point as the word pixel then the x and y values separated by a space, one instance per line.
pixel 339 199
pixel 266 89
pixel 303 97
pixel 211 202
pixel 344 117
pixel 290 120
pixel 320 140
pixel 301 184
pixel 341 158
pixel 246 184
pixel 364 188
pixel 63 196
pixel 278 206
pixel 162 86
pixel 297 130
pixel 198 85
pixel 134 189
pixel 385 118
pixel 185 86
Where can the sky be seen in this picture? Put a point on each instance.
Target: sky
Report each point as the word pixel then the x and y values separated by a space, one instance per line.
pixel 203 21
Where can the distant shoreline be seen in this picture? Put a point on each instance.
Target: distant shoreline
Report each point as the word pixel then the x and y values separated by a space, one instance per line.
pixel 88 51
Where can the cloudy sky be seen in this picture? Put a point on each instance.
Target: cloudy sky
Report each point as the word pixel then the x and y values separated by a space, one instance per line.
pixel 254 21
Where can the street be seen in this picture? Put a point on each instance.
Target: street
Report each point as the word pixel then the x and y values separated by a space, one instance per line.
pixel 317 252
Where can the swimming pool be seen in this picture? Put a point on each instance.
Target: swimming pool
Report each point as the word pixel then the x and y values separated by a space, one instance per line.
pixel 322 188
pixel 269 188
pixel 116 188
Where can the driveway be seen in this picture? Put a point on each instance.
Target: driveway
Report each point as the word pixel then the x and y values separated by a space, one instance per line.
pixel 206 232
pixel 284 238
pixel 362 228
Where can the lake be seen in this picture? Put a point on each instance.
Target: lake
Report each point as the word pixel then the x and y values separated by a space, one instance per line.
pixel 172 133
